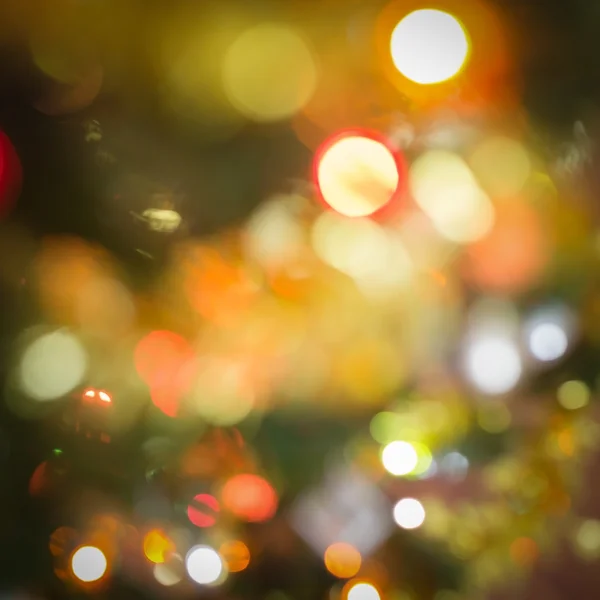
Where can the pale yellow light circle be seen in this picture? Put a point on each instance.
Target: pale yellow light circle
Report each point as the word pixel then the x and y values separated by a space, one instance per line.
pixel 88 564
pixel 409 513
pixel 448 193
pixel 429 46
pixel 502 165
pixel 573 395
pixel 399 458
pixel 363 591
pixel 357 176
pixel 269 72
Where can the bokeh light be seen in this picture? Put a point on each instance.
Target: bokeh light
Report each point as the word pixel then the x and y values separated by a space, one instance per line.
pixel 204 565
pixel 513 254
pixel 250 497
pixel 342 560
pixel 409 513
pixel 169 573
pixel 269 72
pixel 89 564
pixel 446 190
pixel 236 555
pixel 502 165
pixel 429 46
pixel 362 590
pixel 203 510
pixel 52 366
pixel 573 395
pixel 493 364
pixel 357 174
pixel 548 342
pixel 399 458
pixel 157 546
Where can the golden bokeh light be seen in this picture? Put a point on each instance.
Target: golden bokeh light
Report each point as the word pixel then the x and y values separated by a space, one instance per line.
pixel 429 46
pixel 356 174
pixel 573 395
pixel 269 72
pixel 446 190
pixel 342 560
pixel 157 546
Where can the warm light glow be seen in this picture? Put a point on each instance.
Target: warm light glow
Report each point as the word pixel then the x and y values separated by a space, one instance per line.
pixel 236 556
pixel 157 546
pixel 447 192
pixel 202 512
pixel 52 366
pixel 429 46
pixel 269 72
pixel 342 560
pixel 573 395
pixel 250 497
pixel 104 397
pixel 493 364
pixel 88 564
pixel 204 565
pixel 399 458
pixel 409 513
pixel 363 591
pixel 502 165
pixel 356 175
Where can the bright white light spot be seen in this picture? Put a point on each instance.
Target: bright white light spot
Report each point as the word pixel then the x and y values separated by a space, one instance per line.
pixel 493 365
pixel 52 366
pixel 399 458
pixel 409 513
pixel 204 565
pixel 88 564
pixel 162 220
pixel 363 591
pixel 548 341
pixel 429 46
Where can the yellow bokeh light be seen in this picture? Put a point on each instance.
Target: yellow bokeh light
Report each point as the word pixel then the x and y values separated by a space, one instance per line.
pixel 447 192
pixel 342 560
pixel 573 395
pixel 157 546
pixel 88 564
pixel 502 165
pixel 269 72
pixel 399 458
pixel 357 175
pixel 429 46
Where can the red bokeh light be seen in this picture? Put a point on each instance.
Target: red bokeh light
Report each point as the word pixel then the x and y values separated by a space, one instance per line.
pixel 250 498
pixel 11 174
pixel 202 512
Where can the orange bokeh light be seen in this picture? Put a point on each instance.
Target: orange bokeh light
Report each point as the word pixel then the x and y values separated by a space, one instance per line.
pixel 157 546
pixel 250 498
pixel 342 560
pixel 236 556
pixel 524 551
pixel 166 362
pixel 512 257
